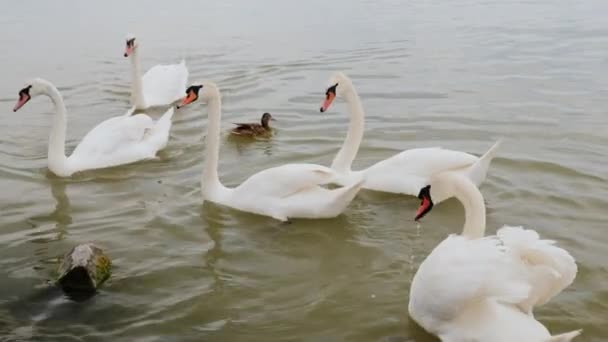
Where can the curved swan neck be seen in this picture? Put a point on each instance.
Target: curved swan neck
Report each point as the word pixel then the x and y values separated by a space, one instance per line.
pixel 210 180
pixel 56 151
pixel 345 157
pixel 137 92
pixel 474 207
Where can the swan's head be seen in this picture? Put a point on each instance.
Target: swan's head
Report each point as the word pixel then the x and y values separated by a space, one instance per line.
pixel 441 186
pixel 32 88
pixel 131 45
pixel 338 85
pixel 200 90
pixel 426 204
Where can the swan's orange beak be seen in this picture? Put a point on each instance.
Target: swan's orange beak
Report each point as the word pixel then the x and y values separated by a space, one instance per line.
pixel 329 98
pixel 128 50
pixel 191 97
pixel 426 204
pixel 23 98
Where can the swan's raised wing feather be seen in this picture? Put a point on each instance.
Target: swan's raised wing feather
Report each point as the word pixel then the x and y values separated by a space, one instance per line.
pixel 460 272
pixel 164 84
pixel 282 181
pixel 547 268
pixel 407 172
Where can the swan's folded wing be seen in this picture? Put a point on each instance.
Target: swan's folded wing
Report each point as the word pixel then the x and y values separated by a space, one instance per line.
pixel 112 135
pixel 165 84
pixel 409 171
pixel 548 269
pixel 461 272
pixel 285 180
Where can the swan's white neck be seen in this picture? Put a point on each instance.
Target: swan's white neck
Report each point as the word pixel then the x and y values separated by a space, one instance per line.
pixel 210 181
pixel 345 157
pixel 57 160
pixel 474 207
pixel 137 92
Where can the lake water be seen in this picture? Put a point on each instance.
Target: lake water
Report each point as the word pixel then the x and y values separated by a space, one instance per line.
pixel 454 74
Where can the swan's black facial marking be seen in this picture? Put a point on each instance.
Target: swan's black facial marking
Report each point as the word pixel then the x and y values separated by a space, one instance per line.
pixel 24 96
pixel 25 91
pixel 130 47
pixel 191 95
pixel 426 203
pixel 331 90
pixel 194 88
pixel 330 95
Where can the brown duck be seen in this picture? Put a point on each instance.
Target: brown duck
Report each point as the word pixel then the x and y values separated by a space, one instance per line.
pixel 254 129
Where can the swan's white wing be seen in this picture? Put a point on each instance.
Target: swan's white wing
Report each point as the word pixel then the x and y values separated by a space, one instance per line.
pixel 114 141
pixel 158 136
pixel 409 171
pixel 285 180
pixel 460 272
pixel 164 84
pixel 547 268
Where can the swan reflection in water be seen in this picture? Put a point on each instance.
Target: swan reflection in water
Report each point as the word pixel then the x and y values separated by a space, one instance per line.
pixel 61 215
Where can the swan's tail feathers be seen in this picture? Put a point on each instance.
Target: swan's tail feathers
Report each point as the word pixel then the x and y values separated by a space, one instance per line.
pixel 160 131
pixel 479 170
pixel 165 120
pixel 547 268
pixel 566 337
pixel 345 195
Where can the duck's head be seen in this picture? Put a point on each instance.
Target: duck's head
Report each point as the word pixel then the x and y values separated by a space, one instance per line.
pixel 31 89
pixel 200 90
pixel 131 45
pixel 338 85
pixel 266 117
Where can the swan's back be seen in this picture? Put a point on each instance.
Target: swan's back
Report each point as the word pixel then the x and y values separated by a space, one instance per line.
pixel 115 141
pixel 284 180
pixel 407 172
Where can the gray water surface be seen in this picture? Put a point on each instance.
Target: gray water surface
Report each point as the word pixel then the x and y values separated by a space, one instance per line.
pixel 431 73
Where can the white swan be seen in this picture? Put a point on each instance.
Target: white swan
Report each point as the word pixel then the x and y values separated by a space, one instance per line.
pixel 115 141
pixel 476 288
pixel 405 172
pixel 161 85
pixel 288 191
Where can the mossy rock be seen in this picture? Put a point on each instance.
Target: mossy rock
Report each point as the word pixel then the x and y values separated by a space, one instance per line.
pixel 83 270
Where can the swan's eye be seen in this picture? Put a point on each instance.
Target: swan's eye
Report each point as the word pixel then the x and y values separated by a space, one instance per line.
pixel 131 42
